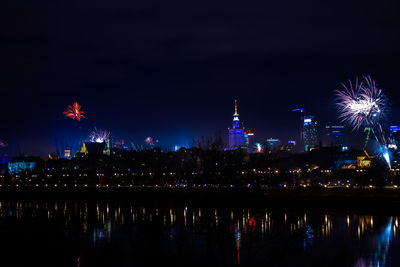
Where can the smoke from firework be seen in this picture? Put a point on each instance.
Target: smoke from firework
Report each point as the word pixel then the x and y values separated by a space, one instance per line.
pixel 2 144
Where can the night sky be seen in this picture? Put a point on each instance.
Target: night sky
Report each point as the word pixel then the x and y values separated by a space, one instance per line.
pixel 172 69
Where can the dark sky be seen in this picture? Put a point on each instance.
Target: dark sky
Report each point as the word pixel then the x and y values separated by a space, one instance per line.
pixel 171 69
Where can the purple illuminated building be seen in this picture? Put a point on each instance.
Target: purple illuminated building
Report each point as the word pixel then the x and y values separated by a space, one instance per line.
pixel 238 138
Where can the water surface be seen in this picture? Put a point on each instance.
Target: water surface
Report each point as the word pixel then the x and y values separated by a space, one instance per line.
pixel 124 233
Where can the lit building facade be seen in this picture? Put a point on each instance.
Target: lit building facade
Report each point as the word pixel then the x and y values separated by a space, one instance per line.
pixel 249 141
pixel 310 133
pixel 67 153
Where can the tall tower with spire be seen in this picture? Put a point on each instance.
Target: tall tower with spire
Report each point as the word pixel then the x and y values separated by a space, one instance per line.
pixel 236 133
pixel 235 117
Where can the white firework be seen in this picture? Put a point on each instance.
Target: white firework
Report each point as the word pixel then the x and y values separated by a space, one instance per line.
pixel 361 104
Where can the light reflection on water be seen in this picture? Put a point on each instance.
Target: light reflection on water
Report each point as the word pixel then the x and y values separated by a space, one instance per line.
pixel 215 235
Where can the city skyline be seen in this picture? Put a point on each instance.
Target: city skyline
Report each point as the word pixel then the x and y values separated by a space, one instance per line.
pixel 320 135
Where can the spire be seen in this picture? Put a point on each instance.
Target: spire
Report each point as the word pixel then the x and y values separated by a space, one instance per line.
pixel 235 117
pixel 236 114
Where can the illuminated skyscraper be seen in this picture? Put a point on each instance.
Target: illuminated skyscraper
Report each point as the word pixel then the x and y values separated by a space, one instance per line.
pixel 249 140
pixel 236 133
pixel 310 133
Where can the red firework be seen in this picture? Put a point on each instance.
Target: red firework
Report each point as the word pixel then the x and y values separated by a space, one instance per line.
pixel 149 141
pixel 74 112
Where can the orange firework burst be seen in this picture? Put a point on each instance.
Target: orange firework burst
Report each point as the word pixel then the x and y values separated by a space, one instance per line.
pixel 74 112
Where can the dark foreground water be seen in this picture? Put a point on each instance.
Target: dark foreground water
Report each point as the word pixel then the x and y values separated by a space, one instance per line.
pixel 122 233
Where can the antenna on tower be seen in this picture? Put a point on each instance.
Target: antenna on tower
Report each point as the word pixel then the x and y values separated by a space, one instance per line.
pixel 236 107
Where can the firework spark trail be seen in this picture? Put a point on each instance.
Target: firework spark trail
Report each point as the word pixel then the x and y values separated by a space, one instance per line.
pixel 366 129
pixel 74 112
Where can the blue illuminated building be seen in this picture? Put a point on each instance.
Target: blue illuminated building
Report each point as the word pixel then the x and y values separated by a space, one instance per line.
pixel 310 133
pixel 238 138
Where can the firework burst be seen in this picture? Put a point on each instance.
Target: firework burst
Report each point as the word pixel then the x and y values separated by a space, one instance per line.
pixel 74 112
pixel 99 136
pixel 149 141
pixel 361 103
